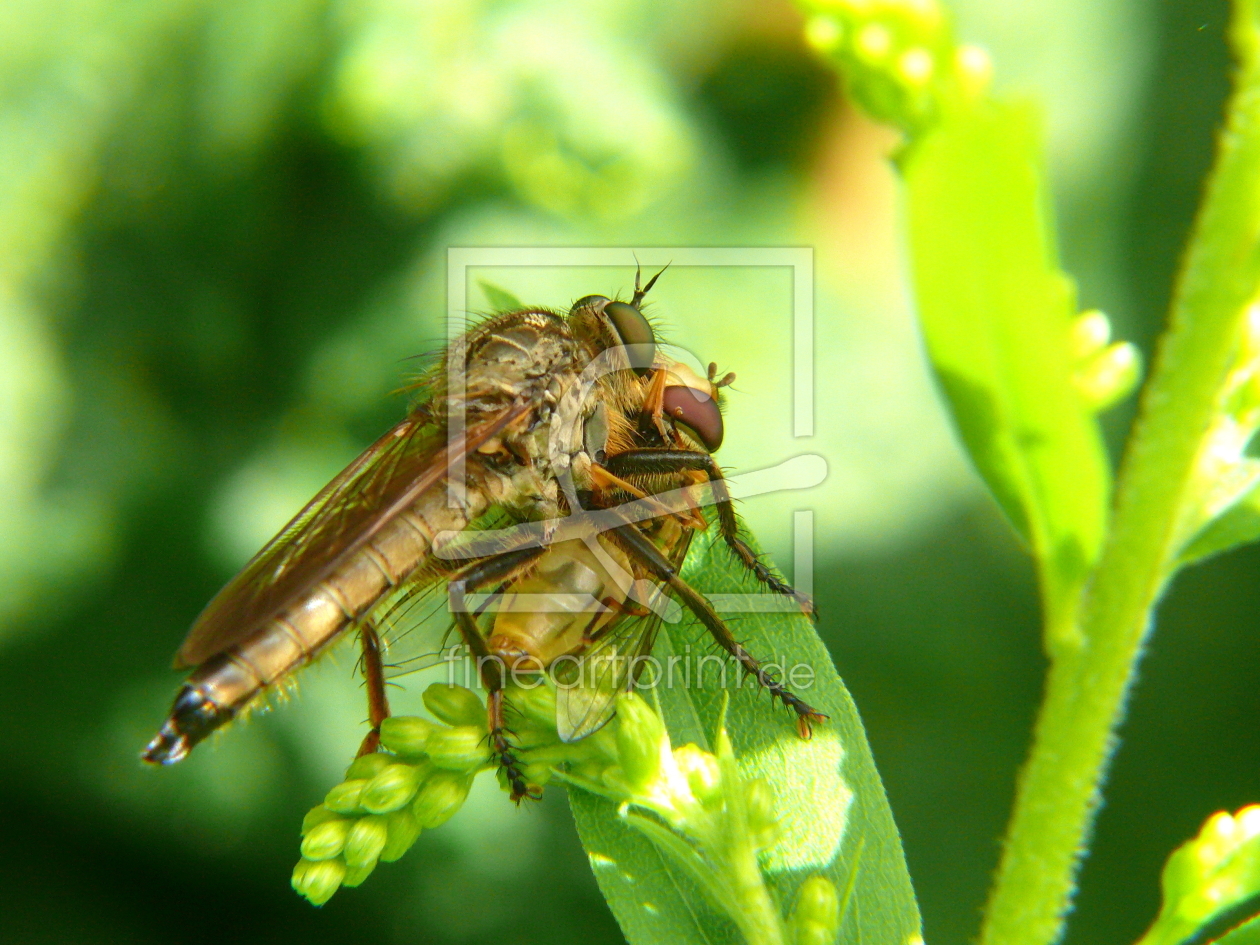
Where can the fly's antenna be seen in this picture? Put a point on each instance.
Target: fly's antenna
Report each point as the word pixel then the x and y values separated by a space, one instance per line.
pixel 639 293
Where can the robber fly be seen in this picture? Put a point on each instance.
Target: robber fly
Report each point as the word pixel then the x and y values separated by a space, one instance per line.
pixel 575 429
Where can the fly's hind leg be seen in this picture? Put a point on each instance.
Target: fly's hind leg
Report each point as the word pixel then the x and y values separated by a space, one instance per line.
pixel 650 461
pixel 374 680
pixel 641 548
pixel 490 666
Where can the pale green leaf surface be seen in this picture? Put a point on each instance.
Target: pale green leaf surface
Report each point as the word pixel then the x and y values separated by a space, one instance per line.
pixel 835 817
pixel 996 312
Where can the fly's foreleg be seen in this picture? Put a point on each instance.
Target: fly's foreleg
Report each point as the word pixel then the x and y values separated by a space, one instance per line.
pixel 649 461
pixel 374 680
pixel 490 666
pixel 641 548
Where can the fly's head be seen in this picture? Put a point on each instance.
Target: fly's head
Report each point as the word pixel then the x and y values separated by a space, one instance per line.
pixel 692 405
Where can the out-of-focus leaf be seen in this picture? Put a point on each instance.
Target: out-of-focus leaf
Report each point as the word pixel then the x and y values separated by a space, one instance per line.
pixel 996 314
pixel 1211 883
pixel 501 300
pixel 834 815
pixel 1245 934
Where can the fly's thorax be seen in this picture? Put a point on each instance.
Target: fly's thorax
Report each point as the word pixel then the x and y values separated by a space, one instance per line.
pixel 513 358
pixel 570 594
pixel 518 349
pixel 593 421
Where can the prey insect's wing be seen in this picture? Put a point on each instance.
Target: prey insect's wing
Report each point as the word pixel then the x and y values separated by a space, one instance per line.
pixel 384 481
pixel 586 689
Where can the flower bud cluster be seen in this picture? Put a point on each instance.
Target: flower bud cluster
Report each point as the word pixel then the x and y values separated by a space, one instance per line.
pixel 701 812
pixel 1104 372
pixel 1217 870
pixel 694 804
pixel 422 776
pixel 899 56
pixel 388 797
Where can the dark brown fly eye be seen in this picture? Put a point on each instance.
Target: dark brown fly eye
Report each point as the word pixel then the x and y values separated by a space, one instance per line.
pixel 635 332
pixel 698 412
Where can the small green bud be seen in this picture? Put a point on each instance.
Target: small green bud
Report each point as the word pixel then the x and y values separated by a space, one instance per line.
pixel 317 815
pixel 403 831
pixel 366 767
pixel 1090 333
pixel 455 705
pixel 1109 376
pixel 406 734
pixel 701 770
pixel 365 841
pixel 817 917
pixel 762 820
pixel 355 875
pixel 639 740
pixel 441 795
pixel 392 788
pixel 325 841
pixel 317 881
pixel 459 749
pixel 535 703
pixel 344 797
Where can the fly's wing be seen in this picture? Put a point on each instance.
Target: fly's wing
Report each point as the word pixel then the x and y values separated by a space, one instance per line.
pixel 586 689
pixel 383 482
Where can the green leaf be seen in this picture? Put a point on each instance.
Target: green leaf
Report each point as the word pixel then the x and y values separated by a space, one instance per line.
pixel 832 805
pixel 1246 934
pixel 1211 883
pixel 500 300
pixel 996 314
pixel 1237 525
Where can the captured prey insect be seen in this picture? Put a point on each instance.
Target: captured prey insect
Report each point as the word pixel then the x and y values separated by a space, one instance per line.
pixel 574 429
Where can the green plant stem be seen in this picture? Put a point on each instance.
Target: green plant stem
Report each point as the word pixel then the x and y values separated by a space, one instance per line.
pixel 1086 690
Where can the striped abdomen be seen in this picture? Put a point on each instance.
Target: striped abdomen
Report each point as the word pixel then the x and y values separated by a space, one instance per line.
pixel 229 681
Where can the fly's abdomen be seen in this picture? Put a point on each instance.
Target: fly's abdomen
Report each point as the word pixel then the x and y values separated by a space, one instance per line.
pixel 226 683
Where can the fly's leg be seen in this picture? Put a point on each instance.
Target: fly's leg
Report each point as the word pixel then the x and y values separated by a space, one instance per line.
pixel 657 461
pixel 374 680
pixel 491 666
pixel 641 548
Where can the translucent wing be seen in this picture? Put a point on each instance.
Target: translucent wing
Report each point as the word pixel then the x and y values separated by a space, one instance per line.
pixel 586 690
pixel 383 482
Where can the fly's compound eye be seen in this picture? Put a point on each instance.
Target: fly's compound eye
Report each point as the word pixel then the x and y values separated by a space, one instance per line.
pixel 635 333
pixel 698 412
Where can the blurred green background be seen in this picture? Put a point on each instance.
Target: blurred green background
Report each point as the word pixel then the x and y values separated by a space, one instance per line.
pixel 223 230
